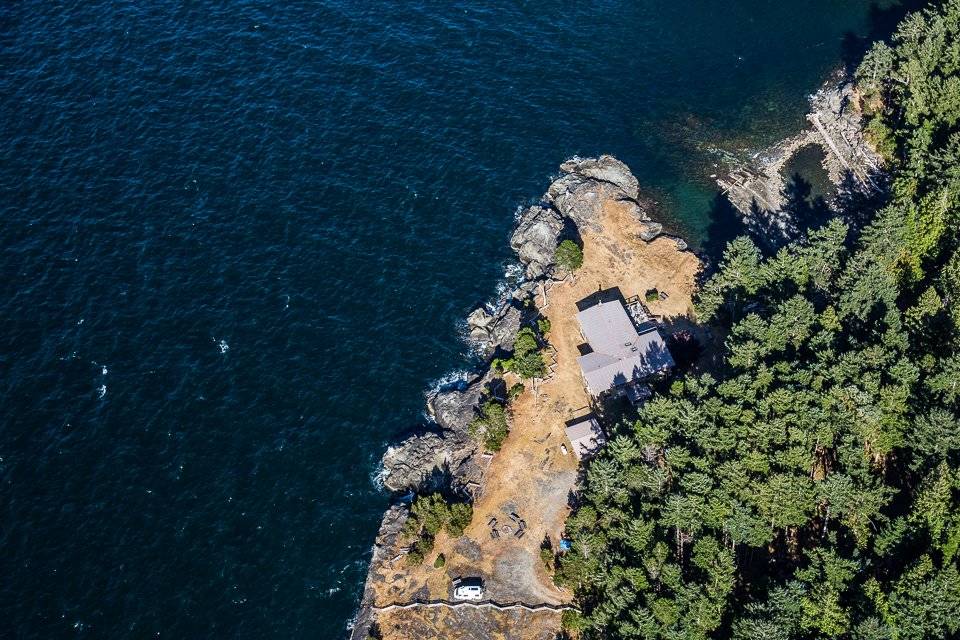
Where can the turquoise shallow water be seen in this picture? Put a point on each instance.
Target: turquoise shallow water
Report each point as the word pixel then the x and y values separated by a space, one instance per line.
pixel 238 240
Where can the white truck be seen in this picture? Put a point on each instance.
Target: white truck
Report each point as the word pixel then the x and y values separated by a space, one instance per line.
pixel 468 589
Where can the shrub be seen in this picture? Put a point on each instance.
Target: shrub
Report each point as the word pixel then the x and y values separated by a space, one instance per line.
pixel 568 255
pixel 652 295
pixel 527 361
pixel 573 620
pixel 543 326
pixel 461 513
pixel 414 558
pixel 546 554
pixel 440 561
pixel 492 425
pixel 530 365
pixel 431 513
pixel 516 390
pixel 526 342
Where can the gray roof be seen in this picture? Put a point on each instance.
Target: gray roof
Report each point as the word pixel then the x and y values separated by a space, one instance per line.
pixel 586 437
pixel 620 354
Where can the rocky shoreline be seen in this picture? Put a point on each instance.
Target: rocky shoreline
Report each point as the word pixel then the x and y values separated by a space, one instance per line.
pixel 442 455
pixel 757 188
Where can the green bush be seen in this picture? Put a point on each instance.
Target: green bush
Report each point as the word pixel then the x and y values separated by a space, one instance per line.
pixel 492 425
pixel 527 361
pixel 526 342
pixel 546 555
pixel 414 558
pixel 530 365
pixel 461 513
pixel 568 255
pixel 516 390
pixel 652 295
pixel 573 620
pixel 543 326
pixel 429 515
pixel 440 561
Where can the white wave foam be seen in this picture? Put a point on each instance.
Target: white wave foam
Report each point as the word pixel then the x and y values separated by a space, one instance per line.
pixel 378 475
pixel 455 379
pixel 102 391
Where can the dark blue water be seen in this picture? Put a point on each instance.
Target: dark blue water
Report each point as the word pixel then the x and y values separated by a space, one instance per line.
pixel 237 241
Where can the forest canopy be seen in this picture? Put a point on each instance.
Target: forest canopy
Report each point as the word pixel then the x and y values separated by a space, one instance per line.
pixel 808 487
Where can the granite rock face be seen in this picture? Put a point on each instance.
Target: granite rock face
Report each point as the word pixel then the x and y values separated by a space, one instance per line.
pixel 455 409
pixel 535 239
pixel 604 169
pixel 492 330
pixel 386 543
pixel 426 461
pixel 580 194
pixel 432 459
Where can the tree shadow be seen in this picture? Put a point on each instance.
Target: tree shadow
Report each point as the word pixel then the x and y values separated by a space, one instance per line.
pixel 857 205
pixel 726 223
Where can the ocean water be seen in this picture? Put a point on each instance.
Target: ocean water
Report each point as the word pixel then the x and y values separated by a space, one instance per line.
pixel 238 240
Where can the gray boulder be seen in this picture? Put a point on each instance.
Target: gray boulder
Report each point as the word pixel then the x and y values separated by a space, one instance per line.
pixel 604 169
pixel 492 330
pixel 587 184
pixel 455 409
pixel 425 461
pixel 650 230
pixel 535 239
pixel 478 323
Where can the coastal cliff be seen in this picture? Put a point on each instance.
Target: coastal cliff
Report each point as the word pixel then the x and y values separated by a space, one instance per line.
pixel 442 455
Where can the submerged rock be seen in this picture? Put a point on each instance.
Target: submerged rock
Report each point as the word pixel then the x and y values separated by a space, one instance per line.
pixel 535 239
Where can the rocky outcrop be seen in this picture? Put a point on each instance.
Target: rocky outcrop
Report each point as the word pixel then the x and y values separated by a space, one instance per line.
pixel 757 187
pixel 426 461
pixel 604 169
pixel 454 409
pixel 383 547
pixel 438 456
pixel 490 331
pixel 535 239
pixel 650 230
pixel 579 197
